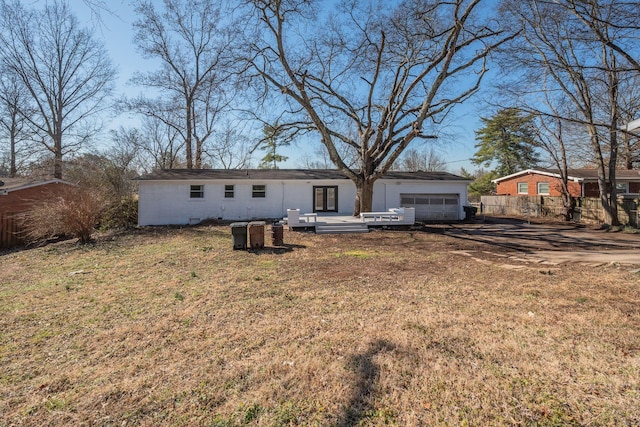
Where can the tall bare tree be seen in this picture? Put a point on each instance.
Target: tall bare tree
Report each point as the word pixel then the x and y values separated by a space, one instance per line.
pixel 191 42
pixel 580 54
pixel 66 72
pixel 371 75
pixel 13 127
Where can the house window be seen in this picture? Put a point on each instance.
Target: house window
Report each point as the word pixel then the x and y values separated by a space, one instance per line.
pixel 621 188
pixel 543 188
pixel 228 192
pixel 259 191
pixel 196 192
pixel 523 188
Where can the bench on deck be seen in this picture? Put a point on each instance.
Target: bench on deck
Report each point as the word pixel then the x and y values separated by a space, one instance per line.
pixel 395 215
pixel 379 216
pixel 296 219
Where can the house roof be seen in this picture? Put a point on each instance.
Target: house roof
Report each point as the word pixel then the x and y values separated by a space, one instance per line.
pixel 9 185
pixel 578 175
pixel 284 174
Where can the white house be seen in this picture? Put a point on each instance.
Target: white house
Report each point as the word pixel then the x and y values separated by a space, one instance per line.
pixel 188 196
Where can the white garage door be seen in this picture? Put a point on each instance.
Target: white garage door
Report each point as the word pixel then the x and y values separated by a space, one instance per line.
pixel 432 206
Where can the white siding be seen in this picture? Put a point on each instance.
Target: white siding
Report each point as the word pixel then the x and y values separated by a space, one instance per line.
pixel 168 202
pixel 387 192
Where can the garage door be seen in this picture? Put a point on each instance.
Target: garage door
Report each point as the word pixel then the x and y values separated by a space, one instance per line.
pixel 432 206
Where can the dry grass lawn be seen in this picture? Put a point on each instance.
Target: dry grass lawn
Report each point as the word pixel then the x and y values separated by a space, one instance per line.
pixel 172 327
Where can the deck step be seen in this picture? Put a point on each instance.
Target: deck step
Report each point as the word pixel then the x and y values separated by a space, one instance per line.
pixel 341 228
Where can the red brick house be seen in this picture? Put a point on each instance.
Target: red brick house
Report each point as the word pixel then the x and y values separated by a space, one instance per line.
pixel 18 195
pixel 582 183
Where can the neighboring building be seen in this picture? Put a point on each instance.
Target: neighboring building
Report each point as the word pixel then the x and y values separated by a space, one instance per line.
pixel 18 195
pixel 188 196
pixel 582 183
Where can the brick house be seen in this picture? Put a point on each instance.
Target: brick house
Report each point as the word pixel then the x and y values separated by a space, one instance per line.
pixel 582 183
pixel 18 195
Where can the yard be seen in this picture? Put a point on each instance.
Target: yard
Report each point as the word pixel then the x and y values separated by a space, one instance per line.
pixel 425 327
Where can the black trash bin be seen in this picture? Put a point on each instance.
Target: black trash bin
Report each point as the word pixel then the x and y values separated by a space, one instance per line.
pixel 256 234
pixel 469 212
pixel 277 234
pixel 239 233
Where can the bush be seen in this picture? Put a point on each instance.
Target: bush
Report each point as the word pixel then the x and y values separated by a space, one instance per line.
pixel 75 213
pixel 121 214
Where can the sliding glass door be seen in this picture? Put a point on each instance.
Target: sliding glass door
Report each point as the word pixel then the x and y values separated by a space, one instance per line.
pixel 325 199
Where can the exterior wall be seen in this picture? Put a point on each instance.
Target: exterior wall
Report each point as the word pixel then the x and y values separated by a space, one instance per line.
pixel 168 202
pixel 386 193
pixel 591 188
pixel 21 200
pixel 509 187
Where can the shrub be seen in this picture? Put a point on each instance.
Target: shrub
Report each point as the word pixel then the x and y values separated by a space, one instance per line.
pixel 75 213
pixel 120 214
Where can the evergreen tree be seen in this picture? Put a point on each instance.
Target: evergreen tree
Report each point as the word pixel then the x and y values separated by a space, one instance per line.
pixel 274 138
pixel 507 139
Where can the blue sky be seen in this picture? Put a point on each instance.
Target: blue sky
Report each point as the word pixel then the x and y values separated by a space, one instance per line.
pixel 116 31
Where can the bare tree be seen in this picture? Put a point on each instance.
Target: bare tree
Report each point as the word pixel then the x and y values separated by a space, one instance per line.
pixel 154 145
pixel 66 72
pixel 13 125
pixel 191 43
pixel 379 70
pixel 579 54
pixel 427 160
pixel 231 148
pixel 552 140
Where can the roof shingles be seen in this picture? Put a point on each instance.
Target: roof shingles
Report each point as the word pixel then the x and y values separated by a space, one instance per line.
pixel 283 174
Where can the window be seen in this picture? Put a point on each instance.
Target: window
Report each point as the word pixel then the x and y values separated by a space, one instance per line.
pixel 228 192
pixel 197 192
pixel 621 188
pixel 523 188
pixel 543 188
pixel 259 191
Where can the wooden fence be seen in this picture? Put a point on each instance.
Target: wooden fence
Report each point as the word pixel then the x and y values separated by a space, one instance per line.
pixel 587 209
pixel 9 230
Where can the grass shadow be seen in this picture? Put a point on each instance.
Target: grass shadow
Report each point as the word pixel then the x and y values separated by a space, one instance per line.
pixel 275 250
pixel 360 404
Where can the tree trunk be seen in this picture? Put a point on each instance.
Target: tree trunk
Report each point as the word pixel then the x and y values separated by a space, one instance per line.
pixel 13 170
pixel 567 207
pixel 610 217
pixel 57 155
pixel 364 196
pixel 188 133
